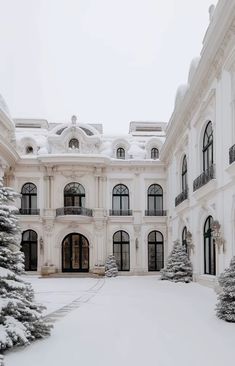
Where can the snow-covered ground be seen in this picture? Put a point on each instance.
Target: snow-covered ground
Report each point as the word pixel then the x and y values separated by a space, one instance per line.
pixel 130 321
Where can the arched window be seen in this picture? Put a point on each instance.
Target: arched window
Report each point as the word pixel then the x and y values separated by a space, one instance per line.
pixel 121 198
pixel 74 144
pixel 209 248
pixel 121 250
pixel 184 239
pixel 155 199
pixel 155 251
pixel 29 150
pixel 29 248
pixel 154 153
pixel 74 195
pixel 208 147
pixel 184 174
pixel 120 153
pixel 29 199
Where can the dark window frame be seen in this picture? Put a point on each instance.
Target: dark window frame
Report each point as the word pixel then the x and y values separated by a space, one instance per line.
pixel 121 191
pixel 29 243
pixel 28 190
pixel 72 191
pixel 154 195
pixel 207 149
pixel 209 245
pixel 120 243
pixel 184 238
pixel 121 153
pixel 156 244
pixel 184 174
pixel 154 153
pixel 74 143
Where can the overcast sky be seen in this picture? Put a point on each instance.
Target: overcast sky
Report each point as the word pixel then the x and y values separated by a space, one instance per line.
pixel 108 61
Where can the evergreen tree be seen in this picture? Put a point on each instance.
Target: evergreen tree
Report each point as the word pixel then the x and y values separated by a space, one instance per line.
pixel 178 267
pixel 111 268
pixel 225 308
pixel 20 317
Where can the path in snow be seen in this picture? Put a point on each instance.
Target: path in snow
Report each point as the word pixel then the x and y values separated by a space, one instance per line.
pixel 135 321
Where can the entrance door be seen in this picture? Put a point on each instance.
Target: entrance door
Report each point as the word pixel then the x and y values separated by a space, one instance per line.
pixel 29 248
pixel 75 253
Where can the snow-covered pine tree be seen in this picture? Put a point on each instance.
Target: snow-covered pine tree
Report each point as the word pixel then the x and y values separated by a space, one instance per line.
pixel 111 268
pixel 225 308
pixel 20 317
pixel 178 267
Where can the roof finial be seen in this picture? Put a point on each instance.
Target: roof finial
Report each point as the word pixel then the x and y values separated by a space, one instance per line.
pixel 74 120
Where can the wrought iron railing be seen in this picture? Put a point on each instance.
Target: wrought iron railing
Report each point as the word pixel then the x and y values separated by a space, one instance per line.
pixel 73 210
pixel 181 197
pixel 155 212
pixel 120 212
pixel 232 154
pixel 204 178
pixel 29 211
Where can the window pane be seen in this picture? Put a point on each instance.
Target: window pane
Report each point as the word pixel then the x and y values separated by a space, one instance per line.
pixel 125 201
pixel 116 203
pixel 117 254
pixel 125 257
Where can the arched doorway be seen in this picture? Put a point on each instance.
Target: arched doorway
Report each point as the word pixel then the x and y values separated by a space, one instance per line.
pixel 209 248
pixel 155 251
pixel 121 250
pixel 29 246
pixel 75 253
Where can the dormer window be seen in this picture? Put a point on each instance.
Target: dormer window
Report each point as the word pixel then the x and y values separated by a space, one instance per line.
pixel 29 150
pixel 74 144
pixel 120 153
pixel 154 153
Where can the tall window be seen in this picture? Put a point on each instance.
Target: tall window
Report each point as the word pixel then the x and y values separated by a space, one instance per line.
pixel 155 251
pixel 121 250
pixel 74 195
pixel 184 239
pixel 29 198
pixel 120 198
pixel 155 198
pixel 154 153
pixel 120 153
pixel 73 144
pixel 209 248
pixel 29 248
pixel 184 174
pixel 208 147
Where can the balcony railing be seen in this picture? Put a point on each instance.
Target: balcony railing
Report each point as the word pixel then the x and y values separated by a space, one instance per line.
pixel 232 154
pixel 181 197
pixel 120 212
pixel 73 210
pixel 29 211
pixel 204 178
pixel 155 212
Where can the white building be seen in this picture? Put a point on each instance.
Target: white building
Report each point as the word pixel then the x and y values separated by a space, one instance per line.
pixel 86 195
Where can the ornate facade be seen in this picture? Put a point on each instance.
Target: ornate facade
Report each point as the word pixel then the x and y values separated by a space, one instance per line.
pixel 86 195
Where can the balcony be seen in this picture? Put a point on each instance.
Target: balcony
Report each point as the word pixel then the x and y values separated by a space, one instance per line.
pixel 155 212
pixel 29 211
pixel 232 154
pixel 120 212
pixel 73 210
pixel 181 197
pixel 204 178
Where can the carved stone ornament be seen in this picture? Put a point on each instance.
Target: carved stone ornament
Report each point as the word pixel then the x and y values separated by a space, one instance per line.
pixel 217 235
